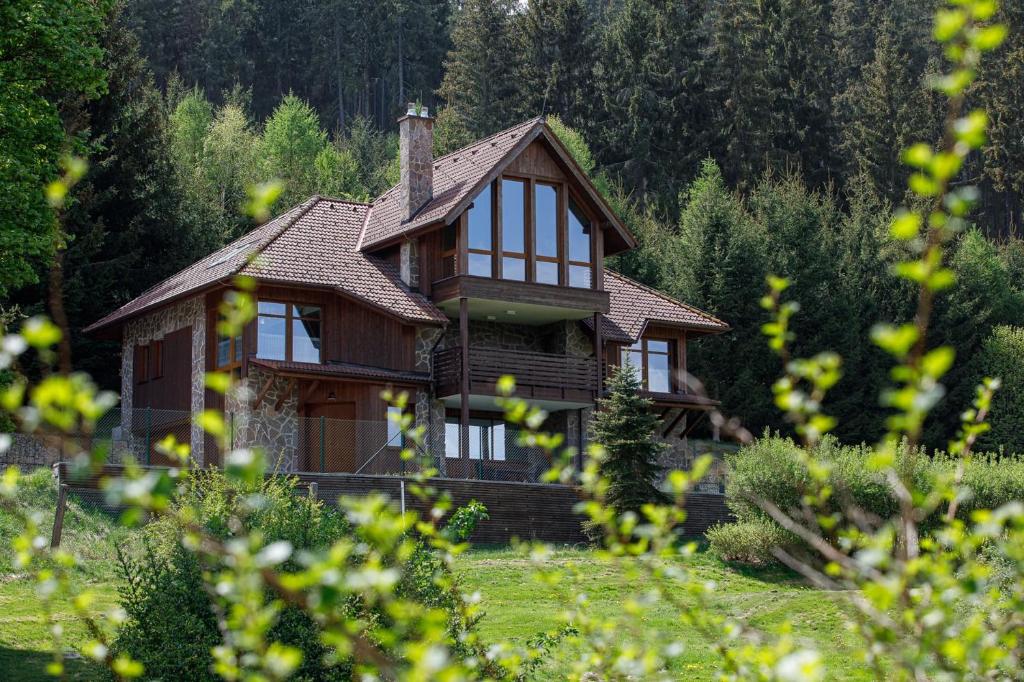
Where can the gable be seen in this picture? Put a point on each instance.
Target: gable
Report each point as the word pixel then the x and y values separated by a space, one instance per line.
pixel 536 160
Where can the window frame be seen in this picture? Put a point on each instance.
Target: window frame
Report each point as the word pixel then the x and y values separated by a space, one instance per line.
pixel 645 353
pixel 565 194
pixel 289 318
pixel 235 353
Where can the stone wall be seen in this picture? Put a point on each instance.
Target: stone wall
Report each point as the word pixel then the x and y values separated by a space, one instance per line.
pixel 275 430
pixel 566 337
pixel 155 326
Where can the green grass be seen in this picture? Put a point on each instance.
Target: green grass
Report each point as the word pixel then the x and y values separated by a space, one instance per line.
pixel 516 605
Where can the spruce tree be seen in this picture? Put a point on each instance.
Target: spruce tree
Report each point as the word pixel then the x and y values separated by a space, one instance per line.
pixel 479 84
pixel 625 425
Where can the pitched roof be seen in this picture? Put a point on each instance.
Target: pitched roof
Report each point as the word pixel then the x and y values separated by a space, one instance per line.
pixel 632 305
pixel 311 244
pixel 456 177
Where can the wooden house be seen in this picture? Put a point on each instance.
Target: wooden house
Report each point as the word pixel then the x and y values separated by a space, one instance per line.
pixel 485 262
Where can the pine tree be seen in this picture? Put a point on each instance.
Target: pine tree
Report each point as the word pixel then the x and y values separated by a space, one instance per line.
pixel 624 424
pixel 1002 356
pixel 479 84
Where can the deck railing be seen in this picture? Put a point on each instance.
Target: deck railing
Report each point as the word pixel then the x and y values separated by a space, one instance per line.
pixel 563 376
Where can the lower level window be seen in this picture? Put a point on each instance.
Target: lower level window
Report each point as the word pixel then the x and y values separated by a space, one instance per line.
pixel 651 359
pixel 486 438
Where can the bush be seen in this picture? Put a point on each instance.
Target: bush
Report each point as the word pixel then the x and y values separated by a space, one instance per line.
pixel 771 469
pixel 1002 356
pixel 172 623
pixel 749 542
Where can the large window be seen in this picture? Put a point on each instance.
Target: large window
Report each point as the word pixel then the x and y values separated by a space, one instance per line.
pixel 286 331
pixel 523 229
pixel 513 229
pixel 486 438
pixel 651 359
pixel 481 234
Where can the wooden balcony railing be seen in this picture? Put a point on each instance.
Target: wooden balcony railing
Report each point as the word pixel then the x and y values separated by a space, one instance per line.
pixel 547 376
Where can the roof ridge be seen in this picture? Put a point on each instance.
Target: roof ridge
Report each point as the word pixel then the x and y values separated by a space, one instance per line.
pixel 339 200
pixel 530 122
pixel 664 296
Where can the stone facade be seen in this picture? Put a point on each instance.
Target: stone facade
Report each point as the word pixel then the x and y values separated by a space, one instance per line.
pixel 409 263
pixel 155 326
pixel 274 430
pixel 426 339
pixel 416 155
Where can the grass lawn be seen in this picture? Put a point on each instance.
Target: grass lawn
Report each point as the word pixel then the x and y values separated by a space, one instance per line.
pixel 516 606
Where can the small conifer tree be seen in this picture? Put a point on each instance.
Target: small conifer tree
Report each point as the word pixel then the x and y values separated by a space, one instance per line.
pixel 625 425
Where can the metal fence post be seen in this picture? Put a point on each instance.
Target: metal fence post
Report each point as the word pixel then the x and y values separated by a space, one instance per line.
pixel 149 429
pixel 323 433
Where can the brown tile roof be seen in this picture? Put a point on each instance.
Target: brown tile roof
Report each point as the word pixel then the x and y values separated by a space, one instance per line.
pixel 320 249
pixel 209 270
pixel 313 244
pixel 456 176
pixel 633 305
pixel 347 370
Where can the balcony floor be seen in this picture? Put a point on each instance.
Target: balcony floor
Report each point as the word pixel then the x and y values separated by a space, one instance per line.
pixel 487 403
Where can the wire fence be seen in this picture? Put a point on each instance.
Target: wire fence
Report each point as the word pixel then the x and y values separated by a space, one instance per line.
pixel 492 451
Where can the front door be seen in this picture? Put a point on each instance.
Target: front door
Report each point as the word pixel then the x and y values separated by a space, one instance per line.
pixel 329 435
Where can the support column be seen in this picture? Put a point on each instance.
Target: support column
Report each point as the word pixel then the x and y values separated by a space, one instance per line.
pixel 599 354
pixel 464 390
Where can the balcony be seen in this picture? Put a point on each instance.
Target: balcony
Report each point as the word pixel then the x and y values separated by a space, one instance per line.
pixel 513 301
pixel 549 379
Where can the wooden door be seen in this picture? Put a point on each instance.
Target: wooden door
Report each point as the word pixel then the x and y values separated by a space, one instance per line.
pixel 329 435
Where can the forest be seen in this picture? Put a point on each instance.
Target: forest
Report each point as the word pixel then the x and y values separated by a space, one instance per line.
pixel 737 138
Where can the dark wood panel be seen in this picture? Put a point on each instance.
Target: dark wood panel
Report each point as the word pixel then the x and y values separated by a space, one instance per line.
pixel 172 390
pixel 536 160
pixel 468 286
pixel 538 375
pixel 361 335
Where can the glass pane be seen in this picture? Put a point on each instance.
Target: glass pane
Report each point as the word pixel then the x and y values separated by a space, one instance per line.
pixel 271 308
pixel 633 359
pixel 547 272
pixel 657 346
pixel 657 373
pixel 476 440
pixel 513 268
pixel 480 264
pixel 223 351
pixel 546 216
pixel 480 221
pixel 306 311
pixel 306 340
pixel 639 345
pixel 498 439
pixel 451 438
pixel 513 219
pixel 579 276
pixel 394 428
pixel 238 348
pixel 270 338
pixel 579 234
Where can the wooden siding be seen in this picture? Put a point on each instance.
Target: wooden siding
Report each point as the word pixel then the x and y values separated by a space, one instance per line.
pixel 528 511
pixel 173 389
pixel 536 160
pixel 468 286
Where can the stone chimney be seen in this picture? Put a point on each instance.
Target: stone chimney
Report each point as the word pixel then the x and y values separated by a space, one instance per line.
pixel 416 152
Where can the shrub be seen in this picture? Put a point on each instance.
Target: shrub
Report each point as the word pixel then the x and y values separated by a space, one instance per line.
pixel 749 542
pixel 172 624
pixel 771 469
pixel 1002 356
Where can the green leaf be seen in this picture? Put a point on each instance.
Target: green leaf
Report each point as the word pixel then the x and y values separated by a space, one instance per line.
pixel 906 225
pixel 948 22
pixel 896 341
pixel 923 185
pixel 971 128
pixel 40 333
pixel 989 38
pixel 937 362
pixel 918 155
